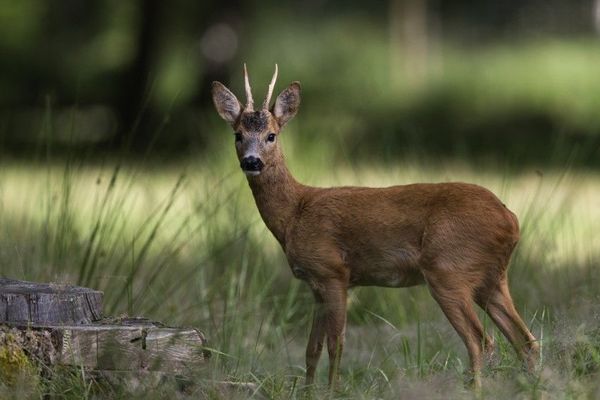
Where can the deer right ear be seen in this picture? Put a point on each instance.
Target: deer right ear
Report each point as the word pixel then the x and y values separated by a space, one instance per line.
pixel 227 105
pixel 287 104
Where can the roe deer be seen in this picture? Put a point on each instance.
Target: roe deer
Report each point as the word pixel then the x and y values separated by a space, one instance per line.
pixel 456 238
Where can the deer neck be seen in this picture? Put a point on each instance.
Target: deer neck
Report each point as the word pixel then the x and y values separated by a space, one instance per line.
pixel 277 195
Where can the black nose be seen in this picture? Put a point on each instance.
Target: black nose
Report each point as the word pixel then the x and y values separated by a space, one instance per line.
pixel 251 164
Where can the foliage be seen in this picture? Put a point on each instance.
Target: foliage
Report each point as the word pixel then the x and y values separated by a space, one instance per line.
pixel 110 83
pixel 16 368
pixel 172 232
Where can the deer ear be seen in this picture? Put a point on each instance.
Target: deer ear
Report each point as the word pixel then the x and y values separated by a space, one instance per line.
pixel 287 104
pixel 227 105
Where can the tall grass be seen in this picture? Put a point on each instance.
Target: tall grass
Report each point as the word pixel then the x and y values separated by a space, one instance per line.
pixel 184 244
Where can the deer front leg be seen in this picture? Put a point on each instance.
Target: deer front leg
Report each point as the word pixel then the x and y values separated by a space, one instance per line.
pixel 315 341
pixel 334 304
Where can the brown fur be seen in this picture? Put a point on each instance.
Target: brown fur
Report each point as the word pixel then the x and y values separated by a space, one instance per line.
pixel 455 237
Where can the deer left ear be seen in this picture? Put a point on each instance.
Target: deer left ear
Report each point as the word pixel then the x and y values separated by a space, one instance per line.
pixel 227 105
pixel 287 104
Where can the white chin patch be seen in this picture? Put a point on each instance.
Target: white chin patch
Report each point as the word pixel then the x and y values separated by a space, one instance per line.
pixel 252 173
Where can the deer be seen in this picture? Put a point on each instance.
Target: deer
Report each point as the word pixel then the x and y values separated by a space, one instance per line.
pixel 456 238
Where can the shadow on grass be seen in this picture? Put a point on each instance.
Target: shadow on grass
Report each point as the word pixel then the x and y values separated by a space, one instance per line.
pixel 437 128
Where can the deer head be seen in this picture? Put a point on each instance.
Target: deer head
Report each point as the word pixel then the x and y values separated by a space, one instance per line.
pixel 256 132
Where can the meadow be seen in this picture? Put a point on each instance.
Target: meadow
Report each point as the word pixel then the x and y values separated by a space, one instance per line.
pixel 180 240
pixel 183 243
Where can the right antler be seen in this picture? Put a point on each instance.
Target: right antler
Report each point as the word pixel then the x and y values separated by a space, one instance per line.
pixel 249 99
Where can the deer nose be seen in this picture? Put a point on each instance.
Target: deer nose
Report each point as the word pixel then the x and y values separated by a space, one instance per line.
pixel 251 163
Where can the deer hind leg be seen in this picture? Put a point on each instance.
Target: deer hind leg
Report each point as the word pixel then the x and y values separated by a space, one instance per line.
pixel 497 302
pixel 456 301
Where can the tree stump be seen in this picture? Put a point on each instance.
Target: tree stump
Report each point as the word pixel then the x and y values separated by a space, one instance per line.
pixel 24 302
pixel 130 344
pixel 55 324
pixel 63 324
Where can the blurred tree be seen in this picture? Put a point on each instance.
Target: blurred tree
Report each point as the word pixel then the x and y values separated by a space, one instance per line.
pixel 596 15
pixel 127 74
pixel 220 28
pixel 134 82
pixel 409 40
pixel 208 34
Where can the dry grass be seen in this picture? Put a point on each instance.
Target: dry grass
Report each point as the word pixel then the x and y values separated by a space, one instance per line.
pixel 196 253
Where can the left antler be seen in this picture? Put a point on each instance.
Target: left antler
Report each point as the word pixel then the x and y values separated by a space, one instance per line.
pixel 270 92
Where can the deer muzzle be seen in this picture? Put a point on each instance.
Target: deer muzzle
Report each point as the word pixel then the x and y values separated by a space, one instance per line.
pixel 251 165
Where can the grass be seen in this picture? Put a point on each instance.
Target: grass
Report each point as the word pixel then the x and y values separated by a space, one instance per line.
pixel 184 244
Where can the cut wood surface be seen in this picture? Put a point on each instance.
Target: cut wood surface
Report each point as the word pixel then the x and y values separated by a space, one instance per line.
pixel 126 344
pixel 25 302
pixel 62 324
pixel 131 344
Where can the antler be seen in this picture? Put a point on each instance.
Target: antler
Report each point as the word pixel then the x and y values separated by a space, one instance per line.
pixel 270 92
pixel 249 99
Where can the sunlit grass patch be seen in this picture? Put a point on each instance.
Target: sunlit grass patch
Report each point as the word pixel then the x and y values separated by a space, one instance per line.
pixel 183 243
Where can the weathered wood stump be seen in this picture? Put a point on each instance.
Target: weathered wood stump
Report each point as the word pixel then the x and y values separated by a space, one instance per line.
pixel 131 344
pixel 66 321
pixel 24 302
pixel 57 324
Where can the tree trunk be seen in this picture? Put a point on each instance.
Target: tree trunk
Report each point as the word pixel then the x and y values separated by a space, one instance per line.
pixel 409 41
pixel 135 129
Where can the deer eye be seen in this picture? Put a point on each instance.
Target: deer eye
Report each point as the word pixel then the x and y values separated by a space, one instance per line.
pixel 271 137
pixel 238 137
